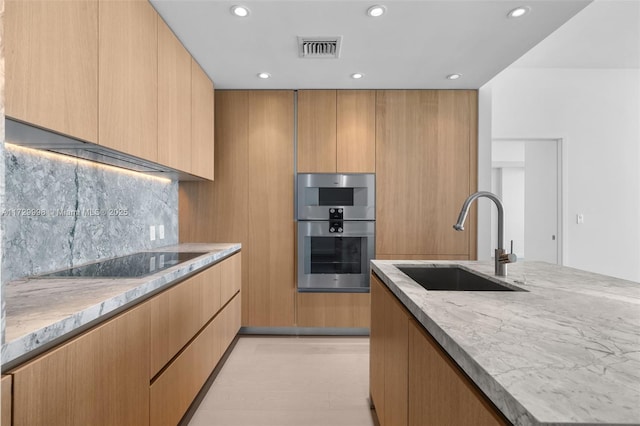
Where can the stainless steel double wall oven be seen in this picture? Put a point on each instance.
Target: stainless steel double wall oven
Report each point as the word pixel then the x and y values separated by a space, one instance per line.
pixel 336 231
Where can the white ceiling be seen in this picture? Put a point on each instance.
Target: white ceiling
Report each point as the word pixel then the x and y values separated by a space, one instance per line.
pixel 416 44
pixel 605 34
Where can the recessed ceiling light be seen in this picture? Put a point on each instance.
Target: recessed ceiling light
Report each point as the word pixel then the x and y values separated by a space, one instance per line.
pixel 357 75
pixel 376 11
pixel 240 11
pixel 454 76
pixel 519 11
pixel 264 75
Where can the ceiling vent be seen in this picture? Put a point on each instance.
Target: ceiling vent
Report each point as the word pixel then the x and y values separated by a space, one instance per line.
pixel 319 47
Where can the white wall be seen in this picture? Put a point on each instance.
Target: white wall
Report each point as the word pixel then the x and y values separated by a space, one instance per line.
pixel 596 112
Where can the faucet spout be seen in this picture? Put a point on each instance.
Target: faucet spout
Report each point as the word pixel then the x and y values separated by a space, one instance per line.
pixel 500 259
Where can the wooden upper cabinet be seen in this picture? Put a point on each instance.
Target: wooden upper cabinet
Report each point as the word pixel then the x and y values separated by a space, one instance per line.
pixel 51 75
pixel 128 82
pixel 174 100
pixel 336 131
pixel 202 117
pixel 356 131
pixel 426 165
pixel 98 378
pixel 317 131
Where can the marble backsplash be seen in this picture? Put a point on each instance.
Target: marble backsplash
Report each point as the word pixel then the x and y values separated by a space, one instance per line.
pixel 60 211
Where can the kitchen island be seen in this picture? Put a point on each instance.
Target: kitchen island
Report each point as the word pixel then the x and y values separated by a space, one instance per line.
pixel 564 351
pixel 42 312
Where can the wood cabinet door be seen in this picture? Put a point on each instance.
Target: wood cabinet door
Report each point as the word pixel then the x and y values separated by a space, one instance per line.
pixel 333 310
pixel 269 291
pixel 251 200
pixel 356 131
pixel 376 347
pixel 128 77
pixel 98 378
pixel 210 282
pixel 173 391
pixel 317 131
pixel 217 211
pixel 389 369
pixel 51 75
pixel 202 118
pixel 439 393
pixel 175 319
pixel 230 277
pixel 396 368
pixel 425 168
pixel 5 409
pixel 174 100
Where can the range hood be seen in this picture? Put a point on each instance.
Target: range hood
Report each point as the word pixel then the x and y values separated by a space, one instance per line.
pixel 30 136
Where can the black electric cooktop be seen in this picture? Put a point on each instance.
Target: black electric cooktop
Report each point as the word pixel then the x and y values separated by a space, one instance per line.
pixel 132 266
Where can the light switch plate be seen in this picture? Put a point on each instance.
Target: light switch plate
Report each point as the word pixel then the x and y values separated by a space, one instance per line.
pixel 161 232
pixel 152 233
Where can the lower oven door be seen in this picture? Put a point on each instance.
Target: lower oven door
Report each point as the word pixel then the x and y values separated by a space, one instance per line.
pixel 335 261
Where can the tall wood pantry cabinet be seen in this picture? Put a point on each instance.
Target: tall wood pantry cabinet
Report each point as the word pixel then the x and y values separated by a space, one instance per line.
pixel 251 200
pixel 426 166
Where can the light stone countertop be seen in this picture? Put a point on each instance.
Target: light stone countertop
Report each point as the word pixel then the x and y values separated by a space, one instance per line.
pixel 42 312
pixel 566 351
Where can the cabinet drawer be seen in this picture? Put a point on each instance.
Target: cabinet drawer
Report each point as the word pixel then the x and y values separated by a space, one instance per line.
pixel 175 389
pixel 98 378
pixel 175 319
pixel 231 277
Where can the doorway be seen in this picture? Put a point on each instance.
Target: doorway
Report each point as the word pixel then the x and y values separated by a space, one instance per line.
pixel 527 176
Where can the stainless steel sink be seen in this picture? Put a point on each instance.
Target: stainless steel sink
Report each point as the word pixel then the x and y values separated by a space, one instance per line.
pixel 451 279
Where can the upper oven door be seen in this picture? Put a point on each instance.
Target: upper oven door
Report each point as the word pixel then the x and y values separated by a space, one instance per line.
pixel 353 193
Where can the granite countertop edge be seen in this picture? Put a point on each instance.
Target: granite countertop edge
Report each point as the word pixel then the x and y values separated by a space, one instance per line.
pixel 411 296
pixel 96 309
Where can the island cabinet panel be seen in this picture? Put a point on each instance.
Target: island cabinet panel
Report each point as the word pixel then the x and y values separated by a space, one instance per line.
pixel 333 310
pixel 425 168
pixel 5 409
pixel 389 363
pixel 439 393
pixel 174 100
pixel 317 131
pixel 202 119
pixel 128 77
pixel 336 131
pixel 51 75
pixel 98 378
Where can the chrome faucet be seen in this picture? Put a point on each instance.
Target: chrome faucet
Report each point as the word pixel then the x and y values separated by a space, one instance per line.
pixel 501 257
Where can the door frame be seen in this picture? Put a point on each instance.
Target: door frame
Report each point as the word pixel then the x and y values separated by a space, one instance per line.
pixel 562 190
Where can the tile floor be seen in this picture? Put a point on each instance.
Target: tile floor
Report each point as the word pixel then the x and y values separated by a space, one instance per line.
pixel 291 381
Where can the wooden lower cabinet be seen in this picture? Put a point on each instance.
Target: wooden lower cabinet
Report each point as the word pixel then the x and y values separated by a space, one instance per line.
pixel 333 310
pixel 5 393
pixel 98 378
pixel 389 361
pixel 175 319
pixel 142 367
pixel 412 380
pixel 175 389
pixel 439 393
